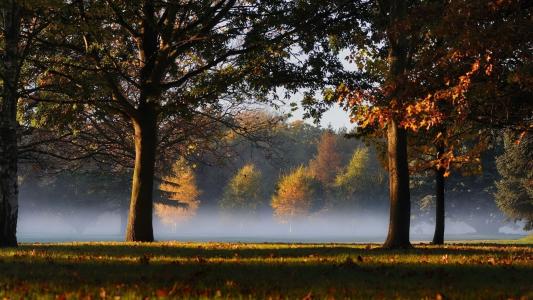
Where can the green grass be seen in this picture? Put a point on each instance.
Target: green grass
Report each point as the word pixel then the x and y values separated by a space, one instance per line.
pixel 277 271
pixel 527 239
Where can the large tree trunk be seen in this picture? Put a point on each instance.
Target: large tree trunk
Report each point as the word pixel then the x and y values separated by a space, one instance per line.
pixel 140 215
pixel 400 203
pixel 8 186
pixel 8 127
pixel 438 237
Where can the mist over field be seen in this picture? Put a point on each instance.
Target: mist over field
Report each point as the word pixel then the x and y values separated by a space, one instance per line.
pixel 38 225
pixel 324 189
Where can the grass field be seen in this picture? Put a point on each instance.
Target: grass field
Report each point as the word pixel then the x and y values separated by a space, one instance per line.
pixel 277 271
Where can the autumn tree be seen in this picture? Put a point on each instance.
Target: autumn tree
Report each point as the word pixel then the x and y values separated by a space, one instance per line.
pixel 152 64
pixel 327 162
pixel 514 194
pixel 485 96
pixel 294 196
pixel 442 150
pixel 243 193
pixel 411 63
pixel 180 187
pixel 380 97
pixel 387 107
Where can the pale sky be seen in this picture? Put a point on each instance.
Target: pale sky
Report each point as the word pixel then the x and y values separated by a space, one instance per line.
pixel 335 116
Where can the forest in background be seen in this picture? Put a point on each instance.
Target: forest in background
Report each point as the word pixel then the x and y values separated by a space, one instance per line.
pixel 240 189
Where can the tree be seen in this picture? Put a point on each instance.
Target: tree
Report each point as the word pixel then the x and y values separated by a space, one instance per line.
pixel 441 150
pixel 294 196
pixel 327 161
pixel 11 12
pixel 20 24
pixel 514 194
pixel 360 183
pixel 243 193
pixel 150 65
pixel 387 106
pixel 180 187
pixel 487 95
pixel 411 63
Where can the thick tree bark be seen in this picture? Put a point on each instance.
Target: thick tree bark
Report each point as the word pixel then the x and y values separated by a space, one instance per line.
pixel 140 227
pixel 438 237
pixel 8 128
pixel 8 186
pixel 400 203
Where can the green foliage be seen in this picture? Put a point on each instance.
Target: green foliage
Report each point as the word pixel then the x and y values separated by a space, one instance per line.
pixel 360 183
pixel 352 178
pixel 514 194
pixel 243 194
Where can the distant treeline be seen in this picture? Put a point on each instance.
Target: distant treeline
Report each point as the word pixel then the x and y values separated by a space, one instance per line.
pixel 301 170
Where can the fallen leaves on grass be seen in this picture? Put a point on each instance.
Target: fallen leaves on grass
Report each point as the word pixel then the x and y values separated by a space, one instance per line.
pixel 143 259
pixel 444 259
pixel 348 263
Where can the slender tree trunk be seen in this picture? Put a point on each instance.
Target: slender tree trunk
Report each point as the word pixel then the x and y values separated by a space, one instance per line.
pixel 8 127
pixel 438 237
pixel 141 206
pixel 400 203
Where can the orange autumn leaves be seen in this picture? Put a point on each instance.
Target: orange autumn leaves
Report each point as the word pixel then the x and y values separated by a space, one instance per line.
pixel 293 198
pixel 412 112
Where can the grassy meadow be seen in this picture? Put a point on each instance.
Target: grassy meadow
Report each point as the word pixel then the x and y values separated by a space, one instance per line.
pixel 164 270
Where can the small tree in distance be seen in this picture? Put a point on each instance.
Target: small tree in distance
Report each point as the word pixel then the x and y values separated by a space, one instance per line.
pixel 294 196
pixel 355 181
pixel 181 187
pixel 243 192
pixel 327 162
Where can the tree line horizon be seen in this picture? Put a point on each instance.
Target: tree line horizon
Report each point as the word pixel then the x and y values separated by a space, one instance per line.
pixel 135 85
pixel 239 193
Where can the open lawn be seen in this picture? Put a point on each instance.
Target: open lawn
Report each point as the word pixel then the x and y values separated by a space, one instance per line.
pixel 278 271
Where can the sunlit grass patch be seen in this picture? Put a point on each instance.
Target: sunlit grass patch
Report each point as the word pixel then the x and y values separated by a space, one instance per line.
pixel 262 270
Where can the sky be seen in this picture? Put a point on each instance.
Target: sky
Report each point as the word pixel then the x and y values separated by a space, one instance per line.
pixel 335 116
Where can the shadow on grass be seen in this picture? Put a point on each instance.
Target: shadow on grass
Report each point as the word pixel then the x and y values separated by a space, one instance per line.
pixel 264 279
